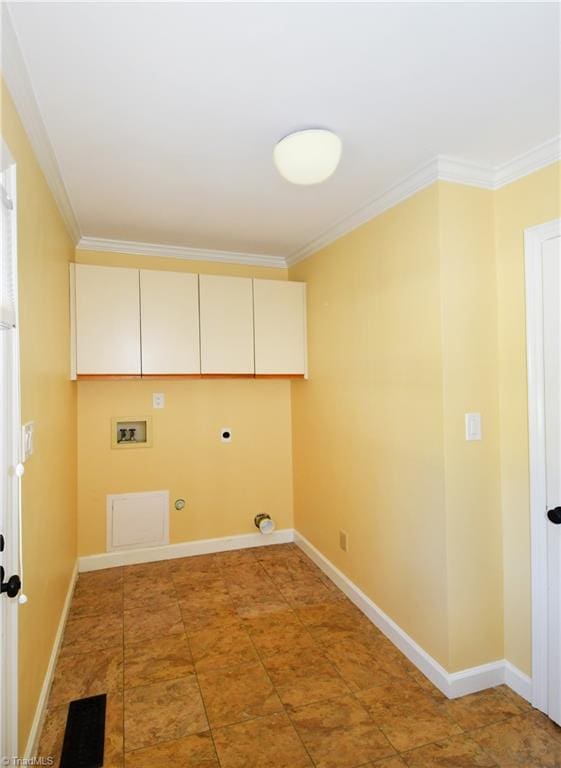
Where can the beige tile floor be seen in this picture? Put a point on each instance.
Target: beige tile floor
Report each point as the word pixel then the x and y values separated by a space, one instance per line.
pixel 253 659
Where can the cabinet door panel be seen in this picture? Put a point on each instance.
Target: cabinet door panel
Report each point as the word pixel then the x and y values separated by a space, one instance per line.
pixel 169 306
pixel 107 320
pixel 280 327
pixel 226 324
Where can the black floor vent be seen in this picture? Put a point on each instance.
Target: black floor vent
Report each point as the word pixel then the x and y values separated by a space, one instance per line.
pixel 84 734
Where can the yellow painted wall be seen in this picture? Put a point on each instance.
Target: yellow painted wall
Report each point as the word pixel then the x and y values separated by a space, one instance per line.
pixel 528 202
pixel 48 398
pixel 368 427
pixel 225 485
pixel 439 528
pixel 103 258
pixel 472 469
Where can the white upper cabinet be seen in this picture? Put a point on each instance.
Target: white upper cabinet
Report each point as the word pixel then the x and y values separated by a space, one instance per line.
pixel 226 315
pixel 131 322
pixel 169 310
pixel 280 327
pixel 107 320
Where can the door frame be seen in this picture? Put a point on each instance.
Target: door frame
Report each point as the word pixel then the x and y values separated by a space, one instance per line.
pixel 534 238
pixel 11 412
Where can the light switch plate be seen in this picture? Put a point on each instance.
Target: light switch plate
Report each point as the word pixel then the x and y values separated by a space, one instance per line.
pixel 27 440
pixel 473 426
pixel 158 400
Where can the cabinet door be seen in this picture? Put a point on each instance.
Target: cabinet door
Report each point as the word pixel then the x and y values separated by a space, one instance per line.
pixel 280 327
pixel 169 311
pixel 226 324
pixel 107 320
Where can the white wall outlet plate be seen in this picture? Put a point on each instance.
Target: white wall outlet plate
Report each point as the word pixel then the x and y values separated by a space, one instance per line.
pixel 158 400
pixel 473 426
pixel 226 435
pixel 27 440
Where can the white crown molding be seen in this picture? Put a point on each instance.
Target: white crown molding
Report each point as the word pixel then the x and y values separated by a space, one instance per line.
pixel 440 168
pixel 461 171
pixel 539 157
pixel 14 71
pixel 422 177
pixel 179 252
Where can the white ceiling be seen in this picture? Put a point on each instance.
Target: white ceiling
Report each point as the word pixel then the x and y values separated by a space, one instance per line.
pixel 163 116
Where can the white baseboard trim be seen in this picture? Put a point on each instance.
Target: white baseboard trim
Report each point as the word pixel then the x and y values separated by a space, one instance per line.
pixel 183 549
pixel 452 684
pixel 518 681
pixel 41 707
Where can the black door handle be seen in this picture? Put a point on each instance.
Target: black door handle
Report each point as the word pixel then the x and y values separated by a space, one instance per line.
pixel 10 587
pixel 555 515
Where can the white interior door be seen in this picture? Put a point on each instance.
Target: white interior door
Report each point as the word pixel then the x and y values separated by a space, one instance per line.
pixel 9 458
pixel 551 264
pixel 543 277
pixel 9 499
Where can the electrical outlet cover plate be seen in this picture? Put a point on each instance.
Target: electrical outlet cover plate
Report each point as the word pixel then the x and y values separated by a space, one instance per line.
pixel 343 540
pixel 158 400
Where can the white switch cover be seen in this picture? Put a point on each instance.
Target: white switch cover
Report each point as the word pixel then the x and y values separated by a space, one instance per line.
pixel 473 426
pixel 28 439
pixel 158 400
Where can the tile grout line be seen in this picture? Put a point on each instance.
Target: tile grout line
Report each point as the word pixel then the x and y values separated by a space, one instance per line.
pixel 260 660
pixel 196 675
pixel 211 729
pixel 284 706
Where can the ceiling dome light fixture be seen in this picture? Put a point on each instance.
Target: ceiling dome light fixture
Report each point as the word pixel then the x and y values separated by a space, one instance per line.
pixel 308 157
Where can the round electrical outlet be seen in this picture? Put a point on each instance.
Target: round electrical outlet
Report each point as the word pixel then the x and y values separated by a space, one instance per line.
pixel 179 504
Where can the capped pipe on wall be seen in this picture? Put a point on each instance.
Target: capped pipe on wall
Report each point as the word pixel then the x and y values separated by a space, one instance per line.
pixel 265 523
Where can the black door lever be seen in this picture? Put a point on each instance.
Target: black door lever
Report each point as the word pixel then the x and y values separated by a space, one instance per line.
pixel 10 587
pixel 555 515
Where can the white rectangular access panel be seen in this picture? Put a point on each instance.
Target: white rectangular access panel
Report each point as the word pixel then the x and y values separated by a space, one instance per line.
pixel 137 520
pixel 280 327
pixel 107 320
pixel 169 311
pixel 226 315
